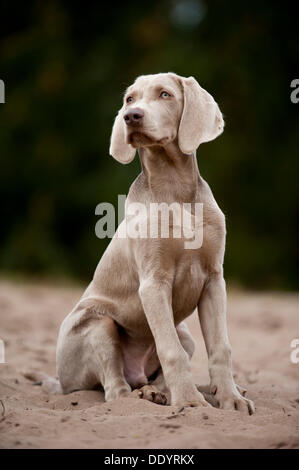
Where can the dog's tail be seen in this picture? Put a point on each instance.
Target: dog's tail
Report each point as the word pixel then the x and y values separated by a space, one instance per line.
pixel 49 384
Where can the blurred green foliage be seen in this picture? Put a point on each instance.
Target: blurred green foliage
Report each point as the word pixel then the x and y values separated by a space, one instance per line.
pixel 66 64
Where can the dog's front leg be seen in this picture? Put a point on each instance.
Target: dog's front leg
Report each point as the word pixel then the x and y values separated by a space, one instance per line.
pixel 212 315
pixel 156 300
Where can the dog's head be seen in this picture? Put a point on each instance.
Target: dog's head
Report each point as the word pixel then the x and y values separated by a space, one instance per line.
pixel 159 108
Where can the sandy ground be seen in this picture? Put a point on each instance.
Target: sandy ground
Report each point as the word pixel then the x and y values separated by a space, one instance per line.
pixel 261 327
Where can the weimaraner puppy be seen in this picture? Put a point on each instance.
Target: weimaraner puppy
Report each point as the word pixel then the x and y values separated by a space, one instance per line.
pixel 127 332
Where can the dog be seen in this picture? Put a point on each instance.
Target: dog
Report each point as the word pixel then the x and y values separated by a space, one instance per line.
pixel 127 332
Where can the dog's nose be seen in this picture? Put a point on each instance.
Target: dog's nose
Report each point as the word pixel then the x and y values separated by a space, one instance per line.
pixel 133 116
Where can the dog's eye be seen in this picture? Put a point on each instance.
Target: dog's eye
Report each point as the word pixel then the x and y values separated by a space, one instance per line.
pixel 129 99
pixel 164 94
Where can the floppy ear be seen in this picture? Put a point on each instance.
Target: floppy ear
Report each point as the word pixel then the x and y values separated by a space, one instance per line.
pixel 201 119
pixel 119 149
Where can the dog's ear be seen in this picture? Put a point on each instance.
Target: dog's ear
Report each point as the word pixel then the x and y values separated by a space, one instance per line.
pixel 119 149
pixel 201 119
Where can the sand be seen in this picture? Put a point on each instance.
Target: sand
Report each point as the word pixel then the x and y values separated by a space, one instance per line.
pixel 261 326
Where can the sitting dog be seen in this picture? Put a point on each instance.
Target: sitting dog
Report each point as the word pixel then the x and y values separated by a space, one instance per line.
pixel 127 331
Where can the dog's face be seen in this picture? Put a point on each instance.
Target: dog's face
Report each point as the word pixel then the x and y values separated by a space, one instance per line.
pixel 152 110
pixel 159 108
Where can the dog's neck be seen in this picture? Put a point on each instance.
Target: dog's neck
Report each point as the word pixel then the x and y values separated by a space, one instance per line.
pixel 169 174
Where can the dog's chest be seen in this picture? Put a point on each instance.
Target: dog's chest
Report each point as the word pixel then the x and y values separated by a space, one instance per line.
pixel 188 284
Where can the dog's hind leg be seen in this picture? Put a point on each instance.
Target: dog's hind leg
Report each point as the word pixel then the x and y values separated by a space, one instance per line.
pixel 89 354
pixel 157 391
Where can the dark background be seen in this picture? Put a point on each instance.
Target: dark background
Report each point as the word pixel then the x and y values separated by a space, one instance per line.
pixel 66 64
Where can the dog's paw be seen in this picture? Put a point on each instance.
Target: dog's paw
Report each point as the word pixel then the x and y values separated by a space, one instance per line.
pixel 117 392
pixel 150 393
pixel 190 397
pixel 232 398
